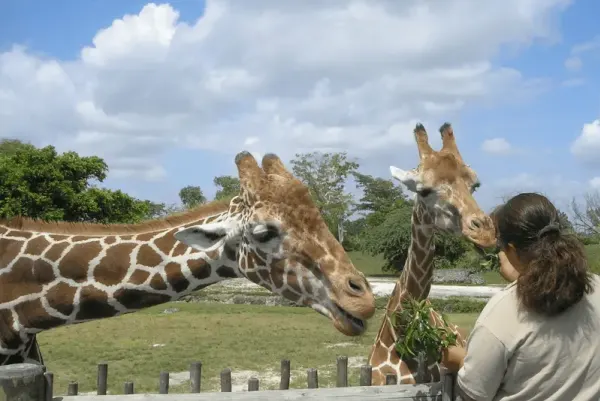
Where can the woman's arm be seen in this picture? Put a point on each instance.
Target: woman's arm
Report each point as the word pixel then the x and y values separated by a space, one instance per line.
pixel 480 366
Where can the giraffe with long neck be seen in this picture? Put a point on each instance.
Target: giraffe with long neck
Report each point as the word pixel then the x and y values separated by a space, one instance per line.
pixel 443 185
pixel 57 273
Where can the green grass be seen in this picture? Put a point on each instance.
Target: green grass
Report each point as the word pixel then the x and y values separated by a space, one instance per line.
pixel 241 337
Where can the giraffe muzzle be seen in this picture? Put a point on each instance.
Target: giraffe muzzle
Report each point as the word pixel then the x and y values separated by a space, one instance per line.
pixel 350 325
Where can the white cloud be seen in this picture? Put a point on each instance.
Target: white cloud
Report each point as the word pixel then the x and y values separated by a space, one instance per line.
pixel 573 63
pixel 586 148
pixel 561 190
pixel 498 146
pixel 270 75
pixel 595 183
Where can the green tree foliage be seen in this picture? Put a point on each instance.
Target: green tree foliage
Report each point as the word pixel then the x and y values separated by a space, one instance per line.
pixel 191 196
pixel 227 187
pixel 378 194
pixel 160 210
pixel 40 183
pixel 391 238
pixel 325 174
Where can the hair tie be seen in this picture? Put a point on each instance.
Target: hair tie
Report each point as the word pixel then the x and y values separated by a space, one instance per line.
pixel 552 227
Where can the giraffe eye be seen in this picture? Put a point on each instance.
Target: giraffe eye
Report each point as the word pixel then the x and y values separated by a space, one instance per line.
pixel 266 235
pixel 425 192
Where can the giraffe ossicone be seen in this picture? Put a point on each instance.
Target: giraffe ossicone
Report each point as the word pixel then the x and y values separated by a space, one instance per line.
pixel 58 273
pixel 443 186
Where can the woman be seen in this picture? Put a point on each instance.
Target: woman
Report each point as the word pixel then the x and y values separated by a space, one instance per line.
pixel 538 339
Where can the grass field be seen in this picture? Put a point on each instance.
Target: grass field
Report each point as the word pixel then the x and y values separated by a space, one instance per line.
pixel 249 339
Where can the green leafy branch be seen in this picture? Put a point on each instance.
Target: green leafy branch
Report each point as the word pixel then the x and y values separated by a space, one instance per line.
pixel 418 335
pixel 490 260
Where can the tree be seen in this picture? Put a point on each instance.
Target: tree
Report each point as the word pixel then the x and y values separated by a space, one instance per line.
pixel 9 147
pixel 40 183
pixel 191 196
pixel 378 193
pixel 325 174
pixel 391 239
pixel 586 218
pixel 564 221
pixel 160 210
pixel 227 187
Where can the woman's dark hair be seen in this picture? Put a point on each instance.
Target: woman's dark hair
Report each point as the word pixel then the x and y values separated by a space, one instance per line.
pixel 555 274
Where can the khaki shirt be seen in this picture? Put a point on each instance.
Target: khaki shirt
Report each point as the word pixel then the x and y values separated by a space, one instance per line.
pixel 515 355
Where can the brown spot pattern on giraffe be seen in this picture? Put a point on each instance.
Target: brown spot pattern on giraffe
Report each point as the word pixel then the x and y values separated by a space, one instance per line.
pixel 157 282
pixel 32 314
pixel 110 240
pixel 148 257
pixel 94 304
pixel 167 241
pixel 19 234
pixel 74 264
pixel 37 246
pixel 200 268
pixel 27 276
pixel 180 249
pixel 145 237
pixel 9 338
pixel 113 267
pixel 138 299
pixel 226 272
pixel 139 277
pixel 175 277
pixel 9 249
pixel 55 251
pixel 61 296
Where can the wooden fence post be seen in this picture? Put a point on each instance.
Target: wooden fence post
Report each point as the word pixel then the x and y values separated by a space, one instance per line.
pixel 366 375
pixel 163 383
pixel 253 384
pixel 342 371
pixel 195 376
pixel 284 384
pixel 102 380
pixel 447 379
pixel 22 382
pixel 312 378
pixel 73 388
pixel 226 380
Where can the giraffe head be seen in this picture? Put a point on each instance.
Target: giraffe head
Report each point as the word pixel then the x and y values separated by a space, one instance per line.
pixel 445 184
pixel 283 244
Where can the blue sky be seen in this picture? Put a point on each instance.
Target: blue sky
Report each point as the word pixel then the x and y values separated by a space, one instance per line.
pixel 507 79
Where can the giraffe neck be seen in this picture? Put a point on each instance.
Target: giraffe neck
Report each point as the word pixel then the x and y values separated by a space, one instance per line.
pixel 415 280
pixel 50 280
pixel 417 275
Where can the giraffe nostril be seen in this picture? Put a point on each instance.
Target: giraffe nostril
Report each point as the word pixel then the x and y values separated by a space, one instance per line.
pixel 355 286
pixel 476 223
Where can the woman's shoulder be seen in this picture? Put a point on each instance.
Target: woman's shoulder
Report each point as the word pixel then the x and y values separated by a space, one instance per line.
pixel 501 314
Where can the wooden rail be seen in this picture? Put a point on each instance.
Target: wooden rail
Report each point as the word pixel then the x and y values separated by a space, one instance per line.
pixel 27 382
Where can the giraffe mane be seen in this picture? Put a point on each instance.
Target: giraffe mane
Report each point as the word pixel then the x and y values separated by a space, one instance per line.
pixel 85 228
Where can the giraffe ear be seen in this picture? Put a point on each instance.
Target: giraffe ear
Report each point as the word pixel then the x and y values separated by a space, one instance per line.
pixel 207 237
pixel 408 178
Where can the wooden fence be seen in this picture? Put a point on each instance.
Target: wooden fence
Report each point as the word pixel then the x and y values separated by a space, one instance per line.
pixel 28 382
